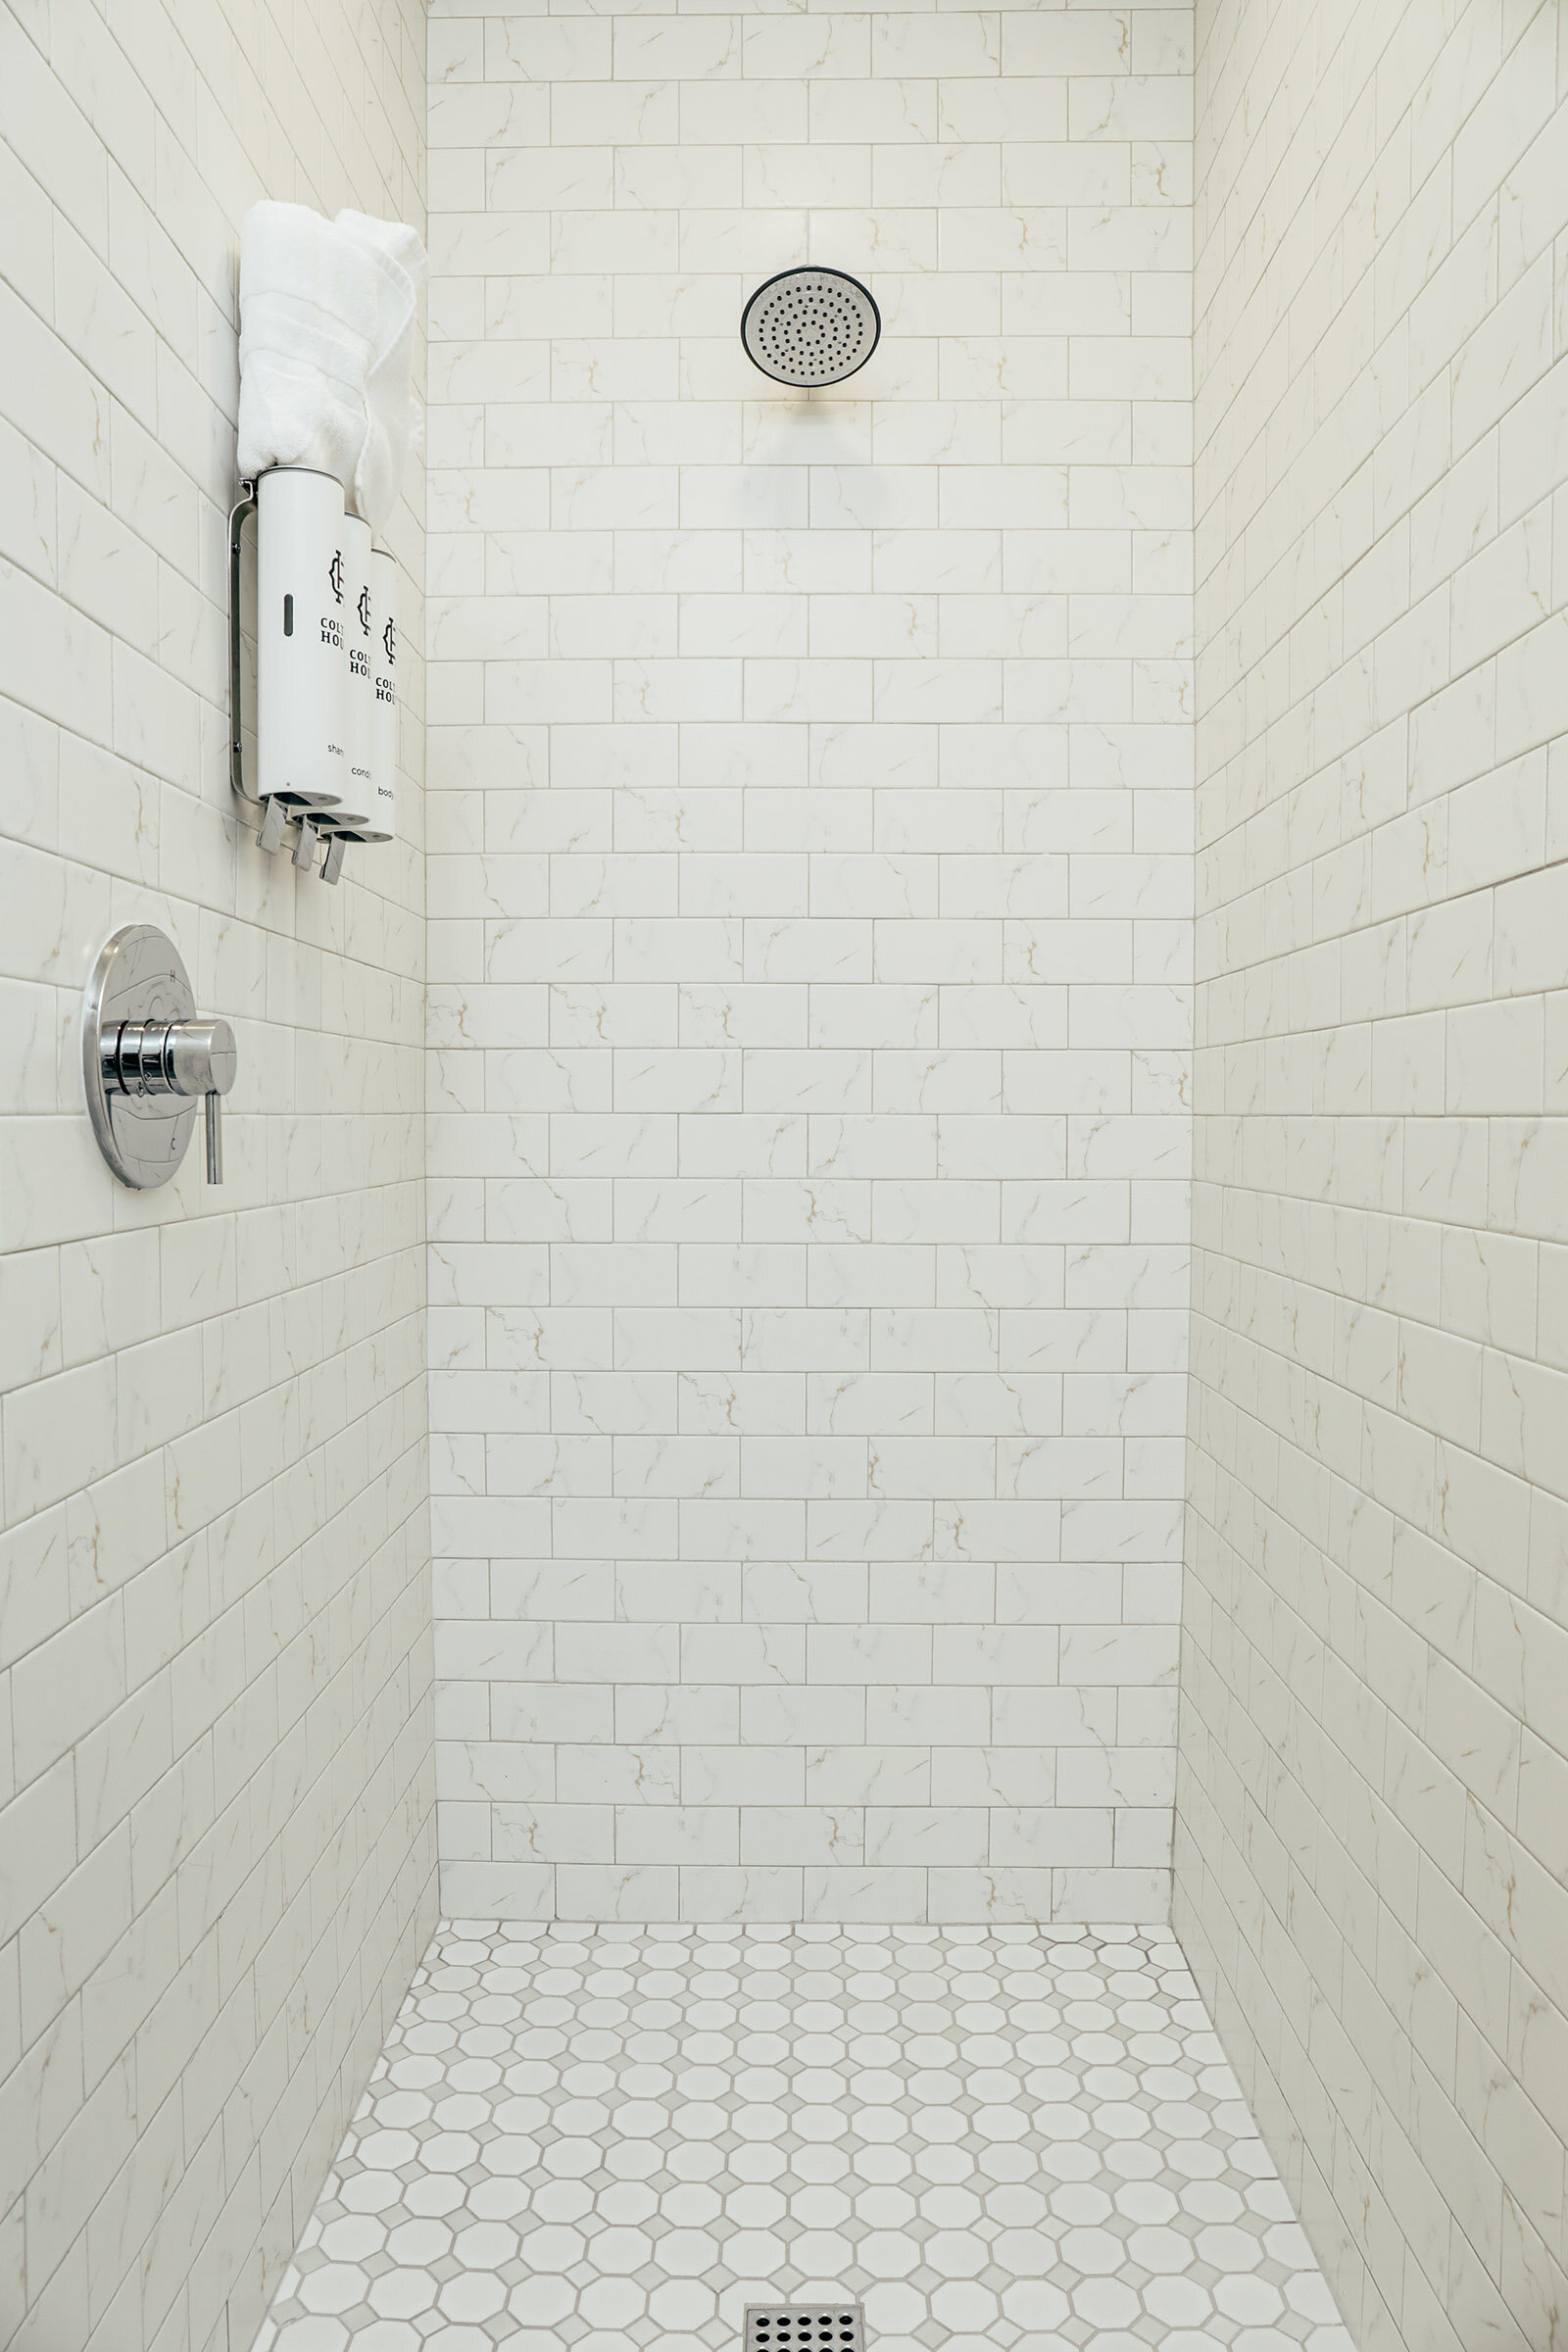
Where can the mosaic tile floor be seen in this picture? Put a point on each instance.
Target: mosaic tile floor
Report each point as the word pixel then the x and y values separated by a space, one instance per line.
pixel 613 2137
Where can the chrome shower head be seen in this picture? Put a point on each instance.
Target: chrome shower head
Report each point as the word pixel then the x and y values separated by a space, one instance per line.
pixel 810 326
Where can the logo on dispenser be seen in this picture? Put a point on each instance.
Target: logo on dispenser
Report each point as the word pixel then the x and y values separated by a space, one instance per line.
pixel 363 610
pixel 335 575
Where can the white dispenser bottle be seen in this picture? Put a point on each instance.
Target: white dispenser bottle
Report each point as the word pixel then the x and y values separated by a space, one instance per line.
pixel 358 630
pixel 358 819
pixel 384 676
pixel 301 665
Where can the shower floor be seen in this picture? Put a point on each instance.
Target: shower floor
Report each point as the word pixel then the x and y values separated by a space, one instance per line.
pixel 613 2138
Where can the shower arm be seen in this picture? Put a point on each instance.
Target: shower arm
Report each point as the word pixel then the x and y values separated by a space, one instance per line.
pixel 272 818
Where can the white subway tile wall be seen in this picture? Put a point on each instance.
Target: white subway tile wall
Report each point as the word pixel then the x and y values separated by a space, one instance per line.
pixel 810 900
pixel 216 1849
pixel 1372 1848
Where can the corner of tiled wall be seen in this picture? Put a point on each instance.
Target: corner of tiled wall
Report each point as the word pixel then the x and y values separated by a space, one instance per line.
pixel 217 1844
pixel 1371 1872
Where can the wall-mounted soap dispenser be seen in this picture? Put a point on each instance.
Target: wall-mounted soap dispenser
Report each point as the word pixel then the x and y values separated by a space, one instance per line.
pixel 319 628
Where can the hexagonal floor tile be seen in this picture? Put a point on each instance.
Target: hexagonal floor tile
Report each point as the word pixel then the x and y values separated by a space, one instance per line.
pixel 613 2139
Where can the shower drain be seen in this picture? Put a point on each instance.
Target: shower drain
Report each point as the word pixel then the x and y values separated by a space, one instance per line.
pixel 804 2327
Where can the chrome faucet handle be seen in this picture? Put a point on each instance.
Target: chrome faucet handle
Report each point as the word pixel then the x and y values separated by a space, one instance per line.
pixel 202 1056
pixel 168 1057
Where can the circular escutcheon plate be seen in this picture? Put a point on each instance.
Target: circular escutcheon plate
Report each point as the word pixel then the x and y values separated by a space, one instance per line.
pixel 138 977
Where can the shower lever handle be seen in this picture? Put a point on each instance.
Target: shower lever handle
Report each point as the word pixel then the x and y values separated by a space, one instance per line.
pixel 175 1057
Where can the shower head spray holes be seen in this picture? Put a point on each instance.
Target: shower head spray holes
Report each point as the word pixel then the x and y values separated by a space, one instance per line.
pixel 810 326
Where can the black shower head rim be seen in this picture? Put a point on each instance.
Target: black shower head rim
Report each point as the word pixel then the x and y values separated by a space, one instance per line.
pixel 811 270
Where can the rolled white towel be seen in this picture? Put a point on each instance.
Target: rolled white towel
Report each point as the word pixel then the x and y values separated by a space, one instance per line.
pixel 390 413
pixel 309 317
pixel 326 348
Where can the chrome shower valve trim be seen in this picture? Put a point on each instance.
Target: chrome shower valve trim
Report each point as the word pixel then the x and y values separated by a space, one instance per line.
pixel 147 1060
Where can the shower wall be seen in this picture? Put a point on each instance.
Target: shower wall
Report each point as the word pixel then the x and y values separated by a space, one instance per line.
pixel 809 947
pixel 215 1800
pixel 1372 1851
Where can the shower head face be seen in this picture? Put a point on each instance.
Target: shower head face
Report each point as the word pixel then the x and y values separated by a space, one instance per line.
pixel 810 326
